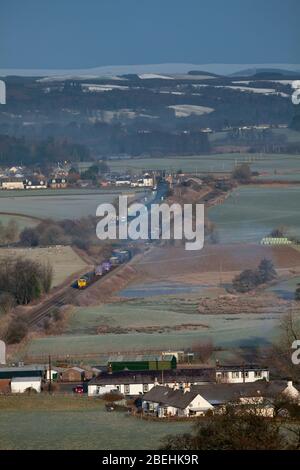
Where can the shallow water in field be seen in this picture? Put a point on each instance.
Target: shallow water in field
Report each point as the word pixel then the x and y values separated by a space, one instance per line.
pixel 161 288
pixel 286 289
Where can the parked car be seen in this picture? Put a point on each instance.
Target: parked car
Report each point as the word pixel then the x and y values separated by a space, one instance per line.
pixel 78 389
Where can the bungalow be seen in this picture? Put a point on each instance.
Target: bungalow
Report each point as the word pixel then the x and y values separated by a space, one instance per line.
pixel 197 400
pixel 165 402
pixel 241 373
pixel 131 383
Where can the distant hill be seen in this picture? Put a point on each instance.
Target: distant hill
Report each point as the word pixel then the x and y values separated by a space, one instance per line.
pixel 266 73
pixel 204 72
pixel 113 71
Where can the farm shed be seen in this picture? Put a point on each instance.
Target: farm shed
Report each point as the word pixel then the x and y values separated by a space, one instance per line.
pixel 23 384
pixel 75 374
pixel 24 371
pixel 142 362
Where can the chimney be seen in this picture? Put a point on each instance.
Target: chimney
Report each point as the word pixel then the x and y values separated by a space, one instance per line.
pixel 187 387
pixel 289 383
pixel 109 368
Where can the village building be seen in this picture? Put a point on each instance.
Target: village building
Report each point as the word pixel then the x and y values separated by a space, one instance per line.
pixel 26 384
pixel 57 183
pixel 11 184
pixel 123 181
pixel 198 400
pixel 76 374
pixel 241 374
pixel 142 362
pixel 35 184
pixel 132 383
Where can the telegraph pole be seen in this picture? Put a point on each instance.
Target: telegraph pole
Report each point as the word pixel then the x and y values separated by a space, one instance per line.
pixel 50 375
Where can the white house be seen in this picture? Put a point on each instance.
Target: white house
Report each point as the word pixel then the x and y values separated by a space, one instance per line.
pixel 123 181
pixel 132 383
pixel 197 400
pixel 23 384
pixel 148 180
pixel 165 401
pixel 14 184
pixel 241 374
pixel 35 184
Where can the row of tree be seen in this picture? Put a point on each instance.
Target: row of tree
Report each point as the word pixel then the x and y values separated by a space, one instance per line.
pixel 16 151
pixel 79 232
pixel 242 428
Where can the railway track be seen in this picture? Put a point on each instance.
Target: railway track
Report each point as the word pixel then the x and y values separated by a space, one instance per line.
pixel 43 311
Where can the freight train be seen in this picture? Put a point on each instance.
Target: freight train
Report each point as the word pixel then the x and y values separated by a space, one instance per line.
pixel 118 257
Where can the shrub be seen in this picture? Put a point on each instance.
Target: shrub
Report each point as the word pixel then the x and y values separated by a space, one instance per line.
pixel 242 173
pixel 17 330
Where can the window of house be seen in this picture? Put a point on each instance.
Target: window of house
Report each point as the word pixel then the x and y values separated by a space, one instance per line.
pixel 246 374
pixel 257 373
pixel 126 389
pixel 235 375
pixel 145 388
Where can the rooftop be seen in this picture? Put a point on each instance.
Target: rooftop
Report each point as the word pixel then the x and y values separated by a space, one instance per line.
pixel 26 379
pixel 147 376
pixel 167 396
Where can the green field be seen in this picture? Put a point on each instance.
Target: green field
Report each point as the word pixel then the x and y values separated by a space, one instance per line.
pixel 251 212
pixel 64 423
pixel 57 204
pixel 225 162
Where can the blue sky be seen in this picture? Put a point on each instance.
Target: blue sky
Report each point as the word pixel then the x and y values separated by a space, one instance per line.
pixel 89 33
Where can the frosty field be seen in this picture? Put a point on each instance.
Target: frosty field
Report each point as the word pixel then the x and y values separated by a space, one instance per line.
pixel 63 259
pixel 252 212
pixel 268 164
pixel 144 324
pixel 22 222
pixel 58 204
pixel 55 422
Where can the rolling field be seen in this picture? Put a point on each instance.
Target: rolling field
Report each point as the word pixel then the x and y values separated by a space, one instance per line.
pixel 161 323
pixel 225 162
pixel 251 213
pixel 227 332
pixel 157 312
pixel 59 204
pixel 22 222
pixel 63 259
pixel 76 423
pixel 290 135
